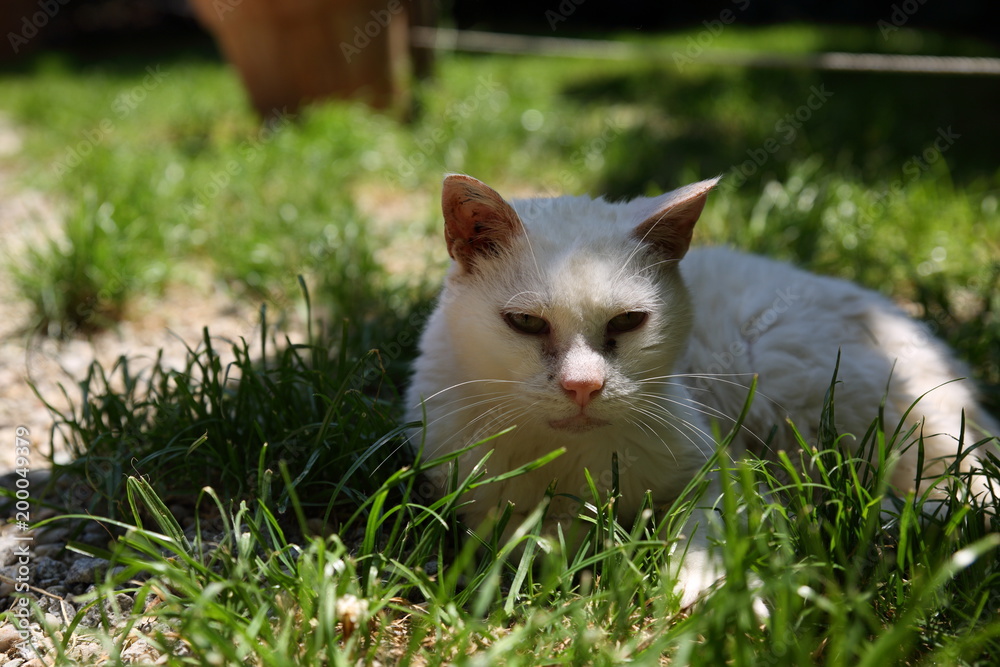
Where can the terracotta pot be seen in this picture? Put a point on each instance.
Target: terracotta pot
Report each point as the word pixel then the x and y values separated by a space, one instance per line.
pixel 289 52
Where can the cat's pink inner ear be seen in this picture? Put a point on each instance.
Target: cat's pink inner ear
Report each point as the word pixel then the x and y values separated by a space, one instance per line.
pixel 477 220
pixel 667 222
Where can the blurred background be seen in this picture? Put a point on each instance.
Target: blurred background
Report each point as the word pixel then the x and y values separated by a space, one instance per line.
pixel 168 164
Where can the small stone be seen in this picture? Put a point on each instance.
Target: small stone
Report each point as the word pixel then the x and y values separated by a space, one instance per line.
pixel 44 513
pixel 93 618
pixel 36 479
pixel 87 653
pixel 140 652
pixel 8 581
pixel 51 535
pixel 48 571
pixel 119 609
pixel 97 530
pixel 55 623
pixel 85 571
pixel 8 550
pixel 59 608
pixel 49 550
pixel 8 636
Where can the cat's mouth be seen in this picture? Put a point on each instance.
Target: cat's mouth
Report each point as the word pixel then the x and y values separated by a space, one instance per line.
pixel 578 423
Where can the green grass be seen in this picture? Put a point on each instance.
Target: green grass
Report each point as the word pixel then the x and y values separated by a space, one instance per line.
pixel 222 425
pixel 847 583
pixel 306 433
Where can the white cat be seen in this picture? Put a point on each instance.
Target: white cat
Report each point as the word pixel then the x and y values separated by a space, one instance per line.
pixel 575 321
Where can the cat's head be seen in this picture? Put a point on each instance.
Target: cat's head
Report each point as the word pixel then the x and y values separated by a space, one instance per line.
pixel 566 305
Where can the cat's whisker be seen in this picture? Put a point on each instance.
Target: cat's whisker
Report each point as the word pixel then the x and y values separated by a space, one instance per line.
pixel 483 396
pixel 667 419
pixel 649 428
pixel 454 435
pixel 667 414
pixel 484 401
pixel 647 370
pixel 493 403
pixel 686 401
pixel 672 376
pixel 475 404
pixel 468 382
pixel 490 418
pixel 653 265
pixel 492 422
pixel 703 408
pixel 717 377
pixel 652 432
pixel 694 406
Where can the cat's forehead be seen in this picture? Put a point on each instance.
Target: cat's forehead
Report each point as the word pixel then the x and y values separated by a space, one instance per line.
pixel 576 277
pixel 578 258
pixel 581 218
pixel 580 251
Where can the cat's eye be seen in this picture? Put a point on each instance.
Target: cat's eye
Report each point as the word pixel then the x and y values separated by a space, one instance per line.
pixel 527 324
pixel 626 322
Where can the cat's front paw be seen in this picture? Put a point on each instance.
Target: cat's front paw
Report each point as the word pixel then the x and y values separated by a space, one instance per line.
pixel 697 574
pixel 700 573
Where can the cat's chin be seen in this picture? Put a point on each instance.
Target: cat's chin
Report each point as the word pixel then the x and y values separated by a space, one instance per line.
pixel 577 423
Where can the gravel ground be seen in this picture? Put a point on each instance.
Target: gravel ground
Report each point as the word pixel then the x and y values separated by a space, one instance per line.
pixel 37 564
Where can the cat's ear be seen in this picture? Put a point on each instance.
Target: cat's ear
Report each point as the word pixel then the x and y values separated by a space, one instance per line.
pixel 667 222
pixel 477 220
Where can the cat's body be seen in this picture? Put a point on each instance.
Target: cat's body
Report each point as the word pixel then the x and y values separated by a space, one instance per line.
pixel 572 320
pixel 758 316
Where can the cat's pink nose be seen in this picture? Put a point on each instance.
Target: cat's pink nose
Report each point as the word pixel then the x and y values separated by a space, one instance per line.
pixel 582 390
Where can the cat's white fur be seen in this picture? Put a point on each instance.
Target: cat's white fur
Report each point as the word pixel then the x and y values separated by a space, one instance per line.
pixel 714 320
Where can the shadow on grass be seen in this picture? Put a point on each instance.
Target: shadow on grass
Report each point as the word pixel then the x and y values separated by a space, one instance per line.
pixel 759 121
